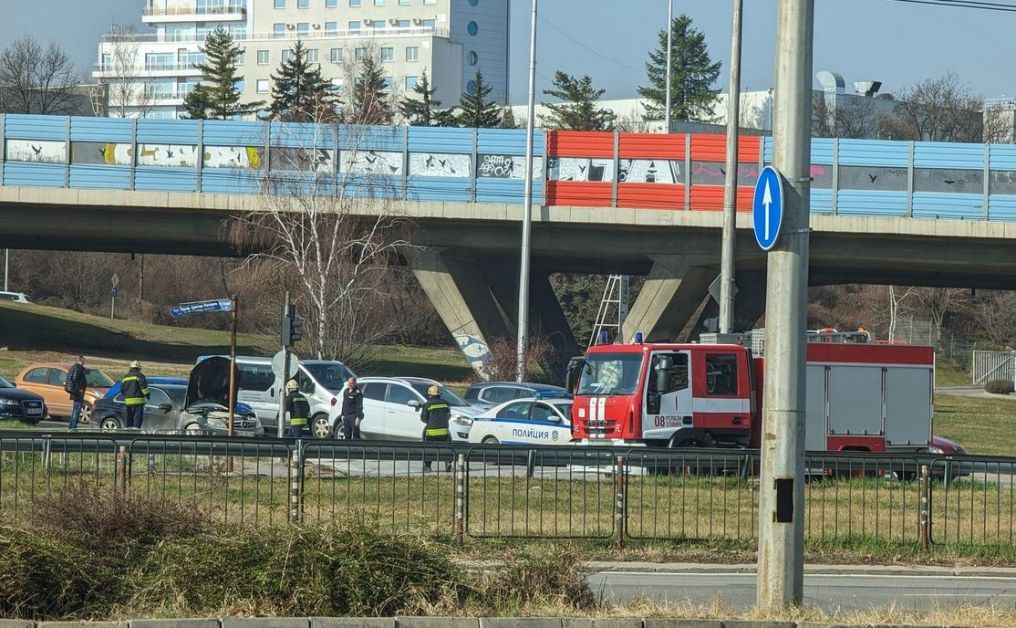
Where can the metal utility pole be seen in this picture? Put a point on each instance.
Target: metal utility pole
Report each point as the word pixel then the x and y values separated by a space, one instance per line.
pixel 670 62
pixel 280 431
pixel 7 257
pixel 232 363
pixel 730 189
pixel 527 210
pixel 781 490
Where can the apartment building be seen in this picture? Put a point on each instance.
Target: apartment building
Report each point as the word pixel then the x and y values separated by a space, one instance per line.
pixel 150 74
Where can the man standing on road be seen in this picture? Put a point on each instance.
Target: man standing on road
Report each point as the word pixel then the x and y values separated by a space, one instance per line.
pixel 352 410
pixel 75 386
pixel 134 388
pixel 435 415
pixel 298 409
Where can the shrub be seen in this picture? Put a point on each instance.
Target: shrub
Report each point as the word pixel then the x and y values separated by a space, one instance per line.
pixel 44 578
pixel 551 579
pixel 999 387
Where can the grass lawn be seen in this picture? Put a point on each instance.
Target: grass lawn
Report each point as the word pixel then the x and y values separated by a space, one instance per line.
pixel 983 425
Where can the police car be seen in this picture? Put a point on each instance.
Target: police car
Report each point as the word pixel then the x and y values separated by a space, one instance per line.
pixel 540 420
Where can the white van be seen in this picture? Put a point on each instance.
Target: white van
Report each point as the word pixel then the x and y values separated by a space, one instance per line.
pixel 320 381
pixel 14 297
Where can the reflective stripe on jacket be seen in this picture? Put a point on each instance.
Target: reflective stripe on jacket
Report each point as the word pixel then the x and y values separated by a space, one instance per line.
pixel 435 414
pixel 134 388
pixel 298 409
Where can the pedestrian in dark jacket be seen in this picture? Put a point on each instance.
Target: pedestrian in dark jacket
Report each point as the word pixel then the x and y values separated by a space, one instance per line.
pixel 134 388
pixel 298 408
pixel 435 414
pixel 75 385
pixel 352 410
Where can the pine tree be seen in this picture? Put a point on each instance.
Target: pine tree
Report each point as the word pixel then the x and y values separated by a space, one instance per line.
pixel 474 110
pixel 692 75
pixel 370 103
pixel 421 110
pixel 577 110
pixel 217 95
pixel 300 93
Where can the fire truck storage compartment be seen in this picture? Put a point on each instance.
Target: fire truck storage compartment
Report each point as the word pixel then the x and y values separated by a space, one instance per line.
pixel 908 409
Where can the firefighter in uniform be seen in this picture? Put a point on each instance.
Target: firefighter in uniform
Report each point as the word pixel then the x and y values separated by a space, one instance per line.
pixel 298 409
pixel 134 388
pixel 435 414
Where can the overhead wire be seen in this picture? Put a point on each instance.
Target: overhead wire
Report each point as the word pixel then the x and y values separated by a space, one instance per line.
pixel 982 5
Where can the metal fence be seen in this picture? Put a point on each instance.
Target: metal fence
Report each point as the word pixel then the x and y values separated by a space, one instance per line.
pixel 478 492
pixel 990 365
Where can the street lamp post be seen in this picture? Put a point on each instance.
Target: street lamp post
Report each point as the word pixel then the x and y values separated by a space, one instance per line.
pixel 527 210
pixel 670 62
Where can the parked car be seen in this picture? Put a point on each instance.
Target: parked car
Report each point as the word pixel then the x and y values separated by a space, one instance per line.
pixel 486 395
pixel 391 408
pixel 20 405
pixel 320 381
pixel 532 421
pixel 14 297
pixel 47 379
pixel 156 379
pixel 198 407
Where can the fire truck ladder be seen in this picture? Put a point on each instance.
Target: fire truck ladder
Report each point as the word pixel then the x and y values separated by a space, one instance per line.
pixel 613 308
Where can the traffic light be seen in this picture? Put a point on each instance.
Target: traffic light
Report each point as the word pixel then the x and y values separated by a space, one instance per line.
pixel 295 326
pixel 285 327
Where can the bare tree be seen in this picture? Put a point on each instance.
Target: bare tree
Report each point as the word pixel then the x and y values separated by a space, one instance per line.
pixel 328 234
pixel 34 79
pixel 941 110
pixel 996 315
pixel 852 117
pixel 127 95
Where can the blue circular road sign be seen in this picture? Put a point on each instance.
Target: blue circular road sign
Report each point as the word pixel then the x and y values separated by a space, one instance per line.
pixel 767 208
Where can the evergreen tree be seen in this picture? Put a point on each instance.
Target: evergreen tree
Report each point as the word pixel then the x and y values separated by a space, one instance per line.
pixel 300 93
pixel 577 110
pixel 370 103
pixel 217 95
pixel 421 110
pixel 508 119
pixel 692 75
pixel 475 111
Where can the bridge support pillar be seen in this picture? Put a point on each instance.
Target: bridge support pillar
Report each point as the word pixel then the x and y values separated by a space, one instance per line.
pixel 463 300
pixel 670 296
pixel 749 305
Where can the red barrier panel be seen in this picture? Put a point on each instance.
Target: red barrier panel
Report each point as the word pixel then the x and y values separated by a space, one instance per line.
pixel 579 193
pixel 650 195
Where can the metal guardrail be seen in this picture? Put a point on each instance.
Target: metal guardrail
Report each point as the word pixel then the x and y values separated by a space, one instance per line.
pixel 475 492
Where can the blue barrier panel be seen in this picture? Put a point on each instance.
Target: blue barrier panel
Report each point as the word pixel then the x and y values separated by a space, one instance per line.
pixel 302 135
pixel 950 155
pixel 866 203
pixel 1002 208
pixel 106 130
pixel 821 201
pixel 874 153
pixel 509 141
pixel 231 181
pixel 371 138
pixel 174 132
pixel 100 177
pixel 164 179
pixel 767 150
pixel 423 139
pixel 34 175
pixel 821 151
pixel 234 133
pixel 439 189
pixel 946 205
pixel 30 127
pixel 1002 157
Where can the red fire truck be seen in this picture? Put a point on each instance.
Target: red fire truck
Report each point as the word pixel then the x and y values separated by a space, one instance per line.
pixel 861 395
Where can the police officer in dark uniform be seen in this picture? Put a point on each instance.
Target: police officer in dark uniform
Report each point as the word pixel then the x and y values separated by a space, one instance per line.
pixel 134 388
pixel 435 415
pixel 352 410
pixel 298 409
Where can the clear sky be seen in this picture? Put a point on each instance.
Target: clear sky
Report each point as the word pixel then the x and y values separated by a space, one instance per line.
pixel 895 42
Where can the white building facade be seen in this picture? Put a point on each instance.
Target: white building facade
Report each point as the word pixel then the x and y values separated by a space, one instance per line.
pixel 448 39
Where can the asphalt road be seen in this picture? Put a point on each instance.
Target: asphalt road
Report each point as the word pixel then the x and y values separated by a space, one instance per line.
pixel 843 589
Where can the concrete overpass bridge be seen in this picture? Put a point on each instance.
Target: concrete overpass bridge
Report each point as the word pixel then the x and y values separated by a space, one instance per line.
pixel 883 212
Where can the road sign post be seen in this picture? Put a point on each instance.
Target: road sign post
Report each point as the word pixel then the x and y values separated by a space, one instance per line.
pixel 112 302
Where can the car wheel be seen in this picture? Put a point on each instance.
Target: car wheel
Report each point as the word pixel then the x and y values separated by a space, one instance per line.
pixel 86 413
pixel 109 423
pixel 193 429
pixel 490 440
pixel 320 427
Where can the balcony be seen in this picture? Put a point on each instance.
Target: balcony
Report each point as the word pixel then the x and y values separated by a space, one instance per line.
pixel 189 12
pixel 100 70
pixel 365 34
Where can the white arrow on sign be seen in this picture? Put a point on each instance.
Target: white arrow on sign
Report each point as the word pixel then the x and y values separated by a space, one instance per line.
pixel 767 200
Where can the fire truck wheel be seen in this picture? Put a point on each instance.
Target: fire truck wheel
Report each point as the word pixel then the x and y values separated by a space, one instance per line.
pixel 693 464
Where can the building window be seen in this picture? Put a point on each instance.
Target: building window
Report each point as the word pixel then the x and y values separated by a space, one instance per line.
pixel 303 28
pixel 335 55
pixel 404 3
pixel 287 54
pixel 263 57
pixel 354 3
pixel 337 83
pixel 379 26
pixel 404 24
pixel 430 1
pixel 331 28
pixel 387 53
pixel 239 84
pixel 429 24
pixel 473 28
pixel 379 3
pixel 411 83
pixel 280 4
pixel 303 4
pixel 412 53
pixel 278 30
pixel 331 4
pixel 360 54
pixel 353 26
pixel 387 84
pixel 471 88
pixel 473 3
pixel 241 58
pixel 312 55
pixel 262 86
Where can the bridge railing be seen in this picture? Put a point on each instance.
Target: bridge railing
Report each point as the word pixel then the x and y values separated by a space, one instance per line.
pixel 486 491
pixel 586 169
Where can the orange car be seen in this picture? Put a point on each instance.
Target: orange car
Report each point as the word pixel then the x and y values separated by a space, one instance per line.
pixel 47 379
